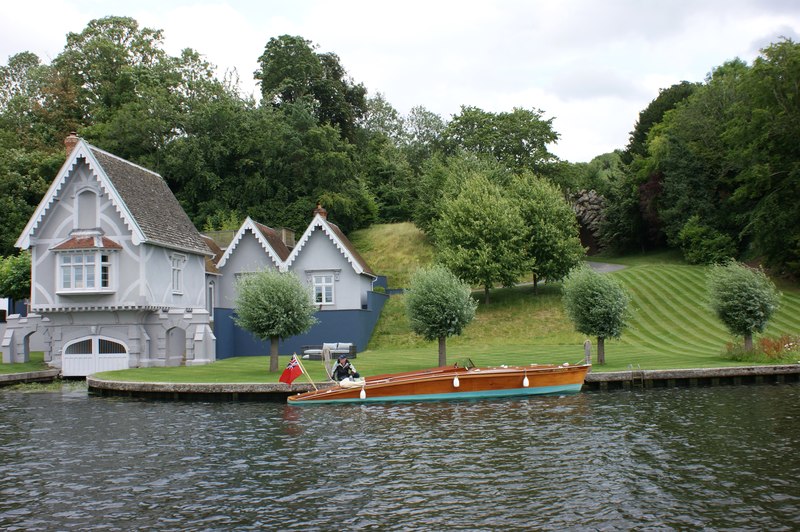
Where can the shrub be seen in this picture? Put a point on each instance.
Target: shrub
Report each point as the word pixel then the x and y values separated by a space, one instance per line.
pixel 784 348
pixel 439 305
pixel 597 305
pixel 273 305
pixel 704 245
pixel 743 299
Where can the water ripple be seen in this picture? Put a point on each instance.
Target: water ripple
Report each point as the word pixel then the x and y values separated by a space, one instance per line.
pixel 702 458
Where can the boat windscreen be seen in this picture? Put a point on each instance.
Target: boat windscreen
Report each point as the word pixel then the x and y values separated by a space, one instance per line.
pixel 464 362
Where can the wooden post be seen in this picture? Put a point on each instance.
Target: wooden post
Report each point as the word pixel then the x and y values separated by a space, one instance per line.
pixel 306 373
pixel 587 351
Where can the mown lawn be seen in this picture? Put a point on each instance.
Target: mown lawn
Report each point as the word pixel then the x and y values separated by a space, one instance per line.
pixel 671 327
pixel 35 363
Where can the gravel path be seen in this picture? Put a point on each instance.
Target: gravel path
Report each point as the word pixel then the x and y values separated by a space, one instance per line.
pixel 604 267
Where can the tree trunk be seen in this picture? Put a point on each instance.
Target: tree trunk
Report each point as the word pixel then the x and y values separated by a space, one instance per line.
pixel 535 284
pixel 601 350
pixel 442 351
pixel 486 294
pixel 273 354
pixel 748 342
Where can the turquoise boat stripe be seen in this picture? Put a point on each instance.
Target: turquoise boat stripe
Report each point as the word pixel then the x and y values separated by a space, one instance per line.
pixel 484 394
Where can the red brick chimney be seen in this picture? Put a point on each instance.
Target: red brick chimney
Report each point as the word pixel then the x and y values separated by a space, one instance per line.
pixel 321 211
pixel 71 141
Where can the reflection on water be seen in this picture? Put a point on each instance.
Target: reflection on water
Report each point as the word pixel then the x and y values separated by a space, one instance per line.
pixel 714 458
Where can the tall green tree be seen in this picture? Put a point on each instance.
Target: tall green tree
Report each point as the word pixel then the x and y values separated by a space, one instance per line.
pixel 480 235
pixel 273 305
pixel 24 177
pixel 422 136
pixel 291 71
pixel 384 167
pixel 439 305
pixel 518 139
pixel 15 276
pixel 381 117
pixel 651 115
pixel 22 99
pixel 763 133
pixel 551 236
pixel 597 306
pixel 109 62
pixel 443 178
pixel 690 155
pixel 743 298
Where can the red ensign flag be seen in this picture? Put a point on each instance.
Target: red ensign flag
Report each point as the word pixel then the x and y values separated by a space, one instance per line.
pixel 292 371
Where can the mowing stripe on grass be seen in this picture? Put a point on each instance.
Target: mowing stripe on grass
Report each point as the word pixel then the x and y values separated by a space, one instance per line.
pixel 684 308
pixel 667 316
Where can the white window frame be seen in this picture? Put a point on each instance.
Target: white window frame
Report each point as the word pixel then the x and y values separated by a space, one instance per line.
pixel 86 272
pixel 322 281
pixel 178 263
pixel 211 298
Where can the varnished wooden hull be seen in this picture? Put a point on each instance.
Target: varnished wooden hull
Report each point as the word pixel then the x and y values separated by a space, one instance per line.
pixel 455 383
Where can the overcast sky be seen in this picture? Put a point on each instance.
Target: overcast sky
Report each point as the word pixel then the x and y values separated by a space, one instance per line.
pixel 590 65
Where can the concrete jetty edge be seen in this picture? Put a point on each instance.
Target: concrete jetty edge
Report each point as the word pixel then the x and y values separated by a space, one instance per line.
pixel 47 375
pixel 596 381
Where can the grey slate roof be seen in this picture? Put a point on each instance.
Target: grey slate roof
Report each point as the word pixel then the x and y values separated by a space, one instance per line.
pixel 152 204
pixel 274 240
pixel 211 262
pixel 352 249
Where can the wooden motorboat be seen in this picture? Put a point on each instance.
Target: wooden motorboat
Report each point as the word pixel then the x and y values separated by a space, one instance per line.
pixel 461 381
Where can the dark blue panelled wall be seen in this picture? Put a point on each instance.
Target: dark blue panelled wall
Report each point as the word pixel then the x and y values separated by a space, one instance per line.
pixel 354 326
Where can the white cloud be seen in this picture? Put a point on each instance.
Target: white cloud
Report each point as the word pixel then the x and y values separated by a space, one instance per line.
pixel 38 27
pixel 592 65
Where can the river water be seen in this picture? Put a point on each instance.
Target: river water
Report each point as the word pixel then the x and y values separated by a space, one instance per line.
pixel 720 458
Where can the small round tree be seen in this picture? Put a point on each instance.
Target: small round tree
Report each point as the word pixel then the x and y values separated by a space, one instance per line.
pixel 273 305
pixel 439 305
pixel 597 305
pixel 743 298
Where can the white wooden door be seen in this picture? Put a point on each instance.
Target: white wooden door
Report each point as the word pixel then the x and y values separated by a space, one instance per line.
pixel 92 355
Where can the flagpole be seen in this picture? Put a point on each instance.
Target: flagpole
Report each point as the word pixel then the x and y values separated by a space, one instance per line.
pixel 306 373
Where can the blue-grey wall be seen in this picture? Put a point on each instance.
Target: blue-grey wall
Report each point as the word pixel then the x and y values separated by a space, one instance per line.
pixel 354 326
pixel 17 307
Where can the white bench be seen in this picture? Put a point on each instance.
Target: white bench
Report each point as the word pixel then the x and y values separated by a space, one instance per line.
pixel 314 352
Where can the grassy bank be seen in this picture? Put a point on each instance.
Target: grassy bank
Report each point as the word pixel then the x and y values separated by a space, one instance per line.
pixel 671 327
pixel 36 363
pixel 393 250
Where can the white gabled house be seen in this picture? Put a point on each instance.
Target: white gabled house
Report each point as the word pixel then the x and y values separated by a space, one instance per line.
pixel 118 276
pixel 121 278
pixel 325 258
pixel 254 247
pixel 340 281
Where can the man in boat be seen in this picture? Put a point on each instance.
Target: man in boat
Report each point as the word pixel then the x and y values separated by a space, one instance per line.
pixel 343 369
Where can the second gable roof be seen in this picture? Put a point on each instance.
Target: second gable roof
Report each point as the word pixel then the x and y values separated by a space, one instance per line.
pixel 339 240
pixel 269 239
